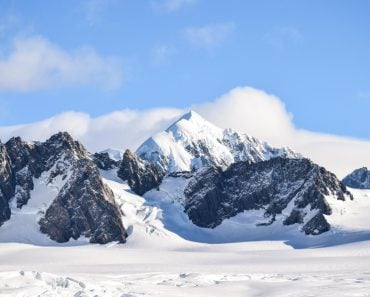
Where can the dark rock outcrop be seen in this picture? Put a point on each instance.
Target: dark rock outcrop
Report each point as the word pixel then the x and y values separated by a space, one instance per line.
pixel 83 206
pixel 358 179
pixel 104 162
pixel 141 175
pixel 296 187
pixel 6 184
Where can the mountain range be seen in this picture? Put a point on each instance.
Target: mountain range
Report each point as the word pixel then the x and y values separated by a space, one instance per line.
pixel 192 176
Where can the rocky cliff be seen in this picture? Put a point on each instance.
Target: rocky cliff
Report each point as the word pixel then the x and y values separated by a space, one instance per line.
pixel 358 179
pixel 141 175
pixel 83 205
pixel 295 189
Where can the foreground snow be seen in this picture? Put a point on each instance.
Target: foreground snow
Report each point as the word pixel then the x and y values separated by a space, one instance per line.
pixel 241 269
pixel 166 255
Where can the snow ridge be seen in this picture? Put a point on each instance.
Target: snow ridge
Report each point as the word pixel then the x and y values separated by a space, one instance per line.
pixel 192 142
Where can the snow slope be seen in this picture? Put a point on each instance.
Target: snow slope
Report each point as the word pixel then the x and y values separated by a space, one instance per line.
pixel 164 256
pixel 192 142
pixel 159 219
pixel 350 221
pixel 114 154
pixel 242 269
pixel 23 227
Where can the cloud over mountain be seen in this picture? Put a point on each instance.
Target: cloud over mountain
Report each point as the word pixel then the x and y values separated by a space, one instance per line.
pixel 245 109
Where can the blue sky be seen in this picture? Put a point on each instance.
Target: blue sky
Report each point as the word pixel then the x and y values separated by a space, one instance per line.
pixel 99 56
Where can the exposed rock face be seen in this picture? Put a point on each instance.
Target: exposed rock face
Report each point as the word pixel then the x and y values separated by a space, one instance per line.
pixel 358 179
pixel 141 175
pixel 6 184
pixel 295 188
pixel 192 142
pixel 104 161
pixel 83 206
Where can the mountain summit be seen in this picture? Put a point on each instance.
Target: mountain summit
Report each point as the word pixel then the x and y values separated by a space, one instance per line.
pixel 192 142
pixel 358 179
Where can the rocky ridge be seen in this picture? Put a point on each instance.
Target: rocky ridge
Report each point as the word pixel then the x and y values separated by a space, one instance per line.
pixel 295 189
pixel 358 179
pixel 141 175
pixel 84 206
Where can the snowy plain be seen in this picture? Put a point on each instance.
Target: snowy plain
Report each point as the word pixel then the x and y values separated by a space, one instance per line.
pixel 166 255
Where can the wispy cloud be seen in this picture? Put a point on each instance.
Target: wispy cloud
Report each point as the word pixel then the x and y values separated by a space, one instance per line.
pixel 280 37
pixel 4 111
pixel 161 53
pixel 36 63
pixel 210 36
pixel 363 95
pixel 95 10
pixel 171 5
pixel 7 23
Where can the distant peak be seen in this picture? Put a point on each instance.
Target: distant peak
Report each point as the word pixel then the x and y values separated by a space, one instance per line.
pixel 129 154
pixel 193 121
pixel 15 141
pixel 61 136
pixel 191 115
pixel 63 141
pixel 114 153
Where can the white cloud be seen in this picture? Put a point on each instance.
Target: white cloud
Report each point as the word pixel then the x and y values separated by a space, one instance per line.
pixel 263 115
pixel 251 111
pixel 210 36
pixel 162 53
pixel 119 129
pixel 36 63
pixel 281 36
pixel 171 5
pixel 95 10
pixel 245 109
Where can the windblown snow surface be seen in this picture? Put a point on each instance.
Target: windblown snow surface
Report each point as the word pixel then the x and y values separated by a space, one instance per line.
pixel 166 255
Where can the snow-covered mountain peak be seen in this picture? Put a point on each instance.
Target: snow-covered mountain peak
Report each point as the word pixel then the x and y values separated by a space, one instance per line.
pixel 192 125
pixel 192 142
pixel 191 116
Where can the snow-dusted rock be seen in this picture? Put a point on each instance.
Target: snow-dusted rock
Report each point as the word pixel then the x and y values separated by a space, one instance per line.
pixel 83 206
pixel 104 161
pixel 358 179
pixel 192 142
pixel 141 175
pixel 113 153
pixel 296 188
pixel 6 184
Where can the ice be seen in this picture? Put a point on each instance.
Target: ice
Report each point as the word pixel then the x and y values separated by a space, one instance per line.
pixel 114 153
pixel 242 269
pixel 167 255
